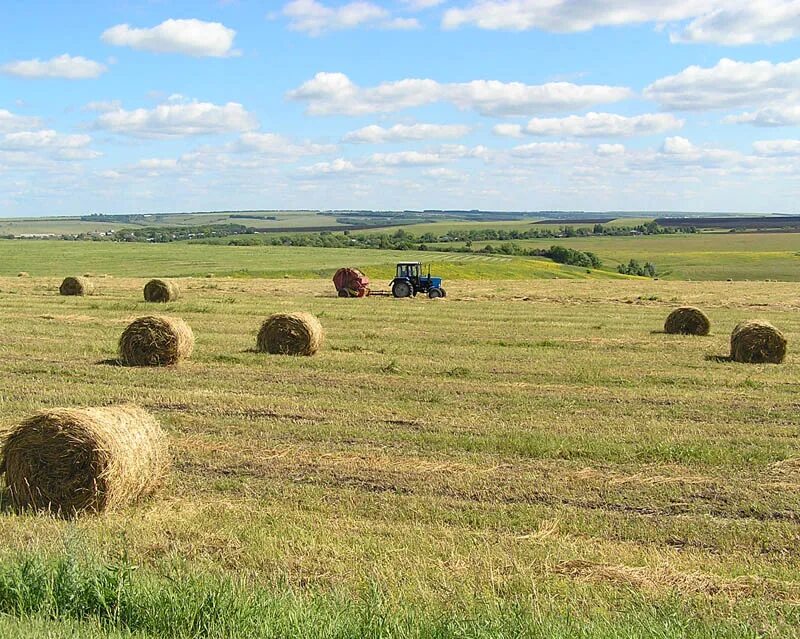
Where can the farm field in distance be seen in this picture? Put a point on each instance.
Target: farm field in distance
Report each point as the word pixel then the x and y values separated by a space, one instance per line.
pixel 527 458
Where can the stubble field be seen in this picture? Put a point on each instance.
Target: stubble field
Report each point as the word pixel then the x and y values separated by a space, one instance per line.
pixel 523 459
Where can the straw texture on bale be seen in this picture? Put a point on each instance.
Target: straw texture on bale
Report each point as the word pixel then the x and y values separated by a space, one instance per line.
pixel 290 334
pixel 161 291
pixel 687 320
pixel 155 341
pixel 69 461
pixel 76 286
pixel 757 342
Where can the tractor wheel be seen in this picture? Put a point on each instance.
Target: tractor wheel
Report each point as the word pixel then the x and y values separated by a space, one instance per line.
pixel 435 292
pixel 343 292
pixel 402 289
pixel 444 293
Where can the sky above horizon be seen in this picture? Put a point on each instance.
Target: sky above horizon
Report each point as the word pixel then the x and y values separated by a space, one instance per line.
pixel 153 106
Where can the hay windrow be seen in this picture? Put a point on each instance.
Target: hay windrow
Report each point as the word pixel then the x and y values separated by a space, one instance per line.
pixel 155 341
pixel 687 320
pixel 161 291
pixel 68 461
pixel 290 334
pixel 757 342
pixel 76 286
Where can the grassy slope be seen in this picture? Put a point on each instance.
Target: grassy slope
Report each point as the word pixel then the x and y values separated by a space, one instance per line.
pixel 519 446
pixel 36 257
pixel 705 256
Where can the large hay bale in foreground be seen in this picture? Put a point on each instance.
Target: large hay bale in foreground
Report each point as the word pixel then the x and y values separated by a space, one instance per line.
pixel 161 291
pixel 687 320
pixel 290 334
pixel 155 341
pixel 68 461
pixel 757 342
pixel 76 286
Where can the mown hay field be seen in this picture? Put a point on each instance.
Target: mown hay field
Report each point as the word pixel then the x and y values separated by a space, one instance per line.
pixel 523 459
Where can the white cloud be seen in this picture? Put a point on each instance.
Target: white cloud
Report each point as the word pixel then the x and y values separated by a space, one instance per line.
pixel 335 93
pixel 12 122
pixel 63 66
pixel 729 22
pixel 337 166
pixel 179 120
pixel 594 125
pixel 540 149
pixel 781 114
pixel 772 148
pixel 681 150
pixel 610 149
pixel 157 164
pixel 45 138
pixel 744 22
pixel 567 16
pixel 279 145
pixel 314 18
pixel 404 158
pixel 375 134
pixel 727 84
pixel 190 37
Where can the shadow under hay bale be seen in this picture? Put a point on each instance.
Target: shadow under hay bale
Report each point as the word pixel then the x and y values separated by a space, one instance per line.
pixel 687 320
pixel 69 461
pixel 161 291
pixel 76 286
pixel 155 341
pixel 290 334
pixel 757 342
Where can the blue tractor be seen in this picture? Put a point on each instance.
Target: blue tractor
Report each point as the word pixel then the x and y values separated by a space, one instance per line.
pixel 409 281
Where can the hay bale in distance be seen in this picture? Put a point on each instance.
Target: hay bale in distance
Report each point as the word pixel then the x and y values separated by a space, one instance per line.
pixel 76 286
pixel 69 461
pixel 687 320
pixel 290 334
pixel 161 291
pixel 757 342
pixel 155 341
pixel 23 274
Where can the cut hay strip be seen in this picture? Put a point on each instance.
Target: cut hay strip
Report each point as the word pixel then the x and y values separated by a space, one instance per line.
pixel 76 286
pixel 290 334
pixel 757 342
pixel 161 291
pixel 155 341
pixel 69 461
pixel 687 320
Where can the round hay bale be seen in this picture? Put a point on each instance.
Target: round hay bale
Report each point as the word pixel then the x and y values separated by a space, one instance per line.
pixel 757 342
pixel 687 320
pixel 161 291
pixel 76 286
pixel 155 341
pixel 290 334
pixel 69 461
pixel 23 274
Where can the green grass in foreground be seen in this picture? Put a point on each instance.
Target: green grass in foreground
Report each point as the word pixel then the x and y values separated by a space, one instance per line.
pixel 63 597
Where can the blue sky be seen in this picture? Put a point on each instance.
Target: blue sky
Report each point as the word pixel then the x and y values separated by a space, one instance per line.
pixel 149 106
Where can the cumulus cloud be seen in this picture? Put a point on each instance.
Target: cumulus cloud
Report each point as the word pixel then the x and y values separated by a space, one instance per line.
pixel 729 22
pixel 594 125
pixel 12 122
pixel 45 138
pixel 279 145
pixel 772 148
pixel 727 84
pixel 335 93
pixel 744 22
pixel 610 149
pixel 404 158
pixel 546 149
pixel 682 150
pixel 190 37
pixel 314 18
pixel 780 114
pixel 178 120
pixel 62 66
pixel 375 134
pixel 337 166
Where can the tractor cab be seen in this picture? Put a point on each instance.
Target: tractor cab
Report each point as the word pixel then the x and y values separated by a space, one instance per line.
pixel 409 280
